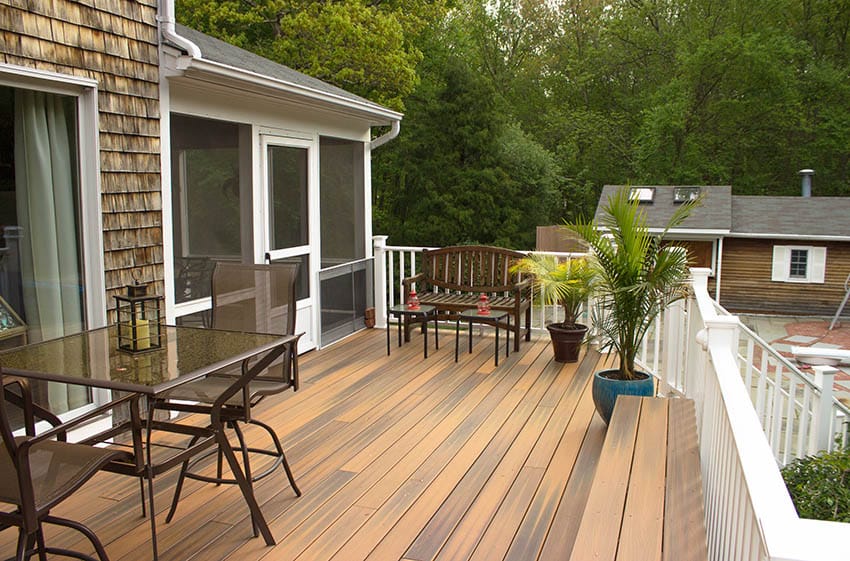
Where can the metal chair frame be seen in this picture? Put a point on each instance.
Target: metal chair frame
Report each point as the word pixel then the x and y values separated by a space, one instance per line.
pixel 231 413
pixel 29 516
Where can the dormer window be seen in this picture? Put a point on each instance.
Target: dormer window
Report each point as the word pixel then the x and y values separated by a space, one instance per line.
pixel 642 194
pixel 685 194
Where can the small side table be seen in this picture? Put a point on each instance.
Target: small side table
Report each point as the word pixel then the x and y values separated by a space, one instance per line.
pixel 494 318
pixel 423 314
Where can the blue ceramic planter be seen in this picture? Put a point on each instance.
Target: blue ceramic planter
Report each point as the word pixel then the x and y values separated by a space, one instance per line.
pixel 606 390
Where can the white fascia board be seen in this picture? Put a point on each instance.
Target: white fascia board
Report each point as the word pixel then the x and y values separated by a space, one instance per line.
pixel 217 72
pixel 691 232
pixel 686 233
pixel 800 238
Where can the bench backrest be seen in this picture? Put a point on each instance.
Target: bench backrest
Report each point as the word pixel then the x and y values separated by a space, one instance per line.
pixel 474 268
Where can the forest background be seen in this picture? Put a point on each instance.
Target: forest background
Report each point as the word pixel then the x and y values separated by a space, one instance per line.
pixel 517 112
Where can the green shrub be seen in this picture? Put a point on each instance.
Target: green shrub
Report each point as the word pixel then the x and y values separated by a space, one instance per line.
pixel 820 485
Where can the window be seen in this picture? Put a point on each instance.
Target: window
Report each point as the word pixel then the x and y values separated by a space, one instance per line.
pixel 798 265
pixel 51 244
pixel 41 268
pixel 642 194
pixel 685 194
pixel 803 264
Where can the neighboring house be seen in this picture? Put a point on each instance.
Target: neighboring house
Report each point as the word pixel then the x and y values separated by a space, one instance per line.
pixel 127 142
pixel 781 255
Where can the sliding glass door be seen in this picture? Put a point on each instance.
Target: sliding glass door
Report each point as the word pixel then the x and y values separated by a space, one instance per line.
pixel 42 289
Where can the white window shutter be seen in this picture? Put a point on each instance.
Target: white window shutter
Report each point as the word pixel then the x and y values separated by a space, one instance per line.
pixel 817 264
pixel 780 263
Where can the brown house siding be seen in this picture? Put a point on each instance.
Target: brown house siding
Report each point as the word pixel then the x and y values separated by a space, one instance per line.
pixel 115 43
pixel 745 284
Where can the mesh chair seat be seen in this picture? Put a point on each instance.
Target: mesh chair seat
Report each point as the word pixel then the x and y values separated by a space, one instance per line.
pixel 208 389
pixel 57 469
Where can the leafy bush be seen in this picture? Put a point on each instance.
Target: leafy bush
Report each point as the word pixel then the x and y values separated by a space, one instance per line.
pixel 820 485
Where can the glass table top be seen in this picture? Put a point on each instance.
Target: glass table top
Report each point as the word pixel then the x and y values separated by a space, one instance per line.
pixel 92 358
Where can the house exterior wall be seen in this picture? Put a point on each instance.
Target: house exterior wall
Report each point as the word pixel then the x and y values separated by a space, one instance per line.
pixel 746 284
pixel 114 42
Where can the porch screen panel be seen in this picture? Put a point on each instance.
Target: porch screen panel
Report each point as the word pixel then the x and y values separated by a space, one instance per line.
pixel 346 276
pixel 287 169
pixel 207 175
pixel 342 201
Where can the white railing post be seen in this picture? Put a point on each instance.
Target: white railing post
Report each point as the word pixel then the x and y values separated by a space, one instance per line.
pixel 379 245
pixel 824 379
pixel 671 365
pixel 723 332
pixel 696 351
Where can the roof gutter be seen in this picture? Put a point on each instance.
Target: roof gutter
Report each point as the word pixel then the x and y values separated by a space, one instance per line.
pixel 166 27
pixel 383 139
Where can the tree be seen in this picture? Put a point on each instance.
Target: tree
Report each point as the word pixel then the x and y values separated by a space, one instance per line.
pixel 461 170
pixel 365 47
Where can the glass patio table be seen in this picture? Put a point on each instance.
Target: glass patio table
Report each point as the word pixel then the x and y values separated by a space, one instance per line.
pixel 92 359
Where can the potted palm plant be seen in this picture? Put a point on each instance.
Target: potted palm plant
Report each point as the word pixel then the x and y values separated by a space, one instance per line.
pixel 567 283
pixel 637 278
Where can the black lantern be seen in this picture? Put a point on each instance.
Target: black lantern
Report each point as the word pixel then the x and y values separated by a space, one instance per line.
pixel 139 319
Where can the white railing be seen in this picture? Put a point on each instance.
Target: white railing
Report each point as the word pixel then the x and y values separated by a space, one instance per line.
pixel 798 411
pixel 749 514
pixel 395 263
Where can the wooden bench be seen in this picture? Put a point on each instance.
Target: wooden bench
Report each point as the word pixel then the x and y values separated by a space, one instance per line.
pixel 646 499
pixel 453 278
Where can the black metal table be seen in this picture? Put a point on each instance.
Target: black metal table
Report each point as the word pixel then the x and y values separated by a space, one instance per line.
pixel 92 359
pixel 493 318
pixel 423 314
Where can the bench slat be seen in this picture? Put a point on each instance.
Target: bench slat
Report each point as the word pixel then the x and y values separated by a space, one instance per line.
pixel 641 533
pixel 599 531
pixel 684 521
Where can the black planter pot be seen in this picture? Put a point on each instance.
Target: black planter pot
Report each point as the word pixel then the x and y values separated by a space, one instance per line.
pixel 605 390
pixel 566 341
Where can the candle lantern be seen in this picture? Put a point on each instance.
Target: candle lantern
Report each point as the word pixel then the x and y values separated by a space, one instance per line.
pixel 139 319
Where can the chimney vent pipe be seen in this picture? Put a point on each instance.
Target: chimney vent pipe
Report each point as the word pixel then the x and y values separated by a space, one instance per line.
pixel 807 181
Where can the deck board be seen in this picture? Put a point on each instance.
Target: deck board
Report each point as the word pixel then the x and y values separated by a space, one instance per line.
pixel 398 458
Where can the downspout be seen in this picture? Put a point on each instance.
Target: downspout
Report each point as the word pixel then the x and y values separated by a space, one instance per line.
pixel 169 33
pixel 383 139
pixel 719 271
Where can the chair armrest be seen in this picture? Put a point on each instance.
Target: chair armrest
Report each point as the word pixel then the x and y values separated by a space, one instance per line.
pixel 59 429
pixel 24 401
pixel 289 344
pixel 82 419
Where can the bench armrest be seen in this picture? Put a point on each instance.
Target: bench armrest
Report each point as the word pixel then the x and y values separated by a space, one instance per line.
pixel 411 280
pixel 522 287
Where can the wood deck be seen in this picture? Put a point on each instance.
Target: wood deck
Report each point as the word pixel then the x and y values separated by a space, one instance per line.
pixel 399 458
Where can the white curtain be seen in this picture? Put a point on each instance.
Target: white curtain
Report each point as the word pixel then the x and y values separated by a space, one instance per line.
pixel 44 185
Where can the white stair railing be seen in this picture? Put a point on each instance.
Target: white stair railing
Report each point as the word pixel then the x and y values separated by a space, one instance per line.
pixel 749 513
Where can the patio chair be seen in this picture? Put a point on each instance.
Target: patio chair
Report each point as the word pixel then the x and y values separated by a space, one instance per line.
pixel 37 472
pixel 248 298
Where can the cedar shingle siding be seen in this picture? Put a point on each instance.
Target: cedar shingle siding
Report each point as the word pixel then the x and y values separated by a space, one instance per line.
pixel 115 43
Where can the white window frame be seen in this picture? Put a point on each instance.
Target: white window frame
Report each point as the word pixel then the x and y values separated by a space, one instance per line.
pixel 91 221
pixel 85 90
pixel 815 264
